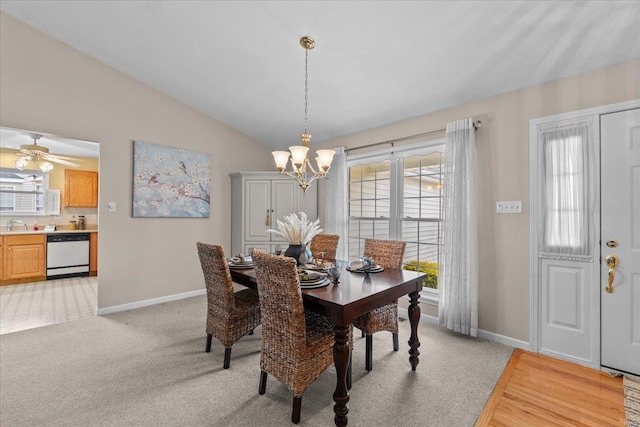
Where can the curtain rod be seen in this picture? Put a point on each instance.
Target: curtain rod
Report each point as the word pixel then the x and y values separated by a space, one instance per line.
pixel 476 125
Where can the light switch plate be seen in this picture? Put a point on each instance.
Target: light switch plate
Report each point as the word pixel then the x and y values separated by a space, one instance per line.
pixel 509 207
pixel 111 206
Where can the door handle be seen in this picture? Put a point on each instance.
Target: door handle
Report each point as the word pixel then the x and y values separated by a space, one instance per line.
pixel 612 262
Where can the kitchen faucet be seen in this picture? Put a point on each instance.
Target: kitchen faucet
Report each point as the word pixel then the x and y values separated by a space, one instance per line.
pixel 15 221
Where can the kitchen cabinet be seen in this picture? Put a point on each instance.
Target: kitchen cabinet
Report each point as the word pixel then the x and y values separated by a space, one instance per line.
pixel 258 199
pixel 23 258
pixel 93 254
pixel 80 188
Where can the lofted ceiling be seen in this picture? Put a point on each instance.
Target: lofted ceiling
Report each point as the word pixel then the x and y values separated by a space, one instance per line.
pixel 375 62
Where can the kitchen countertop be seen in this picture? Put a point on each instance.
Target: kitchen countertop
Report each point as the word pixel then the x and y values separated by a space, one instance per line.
pixel 58 231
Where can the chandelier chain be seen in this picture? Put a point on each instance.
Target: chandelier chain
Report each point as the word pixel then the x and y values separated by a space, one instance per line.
pixel 306 87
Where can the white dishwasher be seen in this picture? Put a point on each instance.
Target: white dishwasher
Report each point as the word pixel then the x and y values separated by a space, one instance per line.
pixel 67 255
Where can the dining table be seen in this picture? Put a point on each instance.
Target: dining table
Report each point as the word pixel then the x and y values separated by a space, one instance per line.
pixel 355 294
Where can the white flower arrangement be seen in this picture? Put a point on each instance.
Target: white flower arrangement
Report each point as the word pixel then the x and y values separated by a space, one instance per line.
pixel 297 229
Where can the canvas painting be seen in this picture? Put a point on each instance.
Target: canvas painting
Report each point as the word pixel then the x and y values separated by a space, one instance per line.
pixel 170 182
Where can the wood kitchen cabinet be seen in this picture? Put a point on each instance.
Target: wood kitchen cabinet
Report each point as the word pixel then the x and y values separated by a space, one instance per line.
pixel 93 254
pixel 258 199
pixel 23 258
pixel 80 188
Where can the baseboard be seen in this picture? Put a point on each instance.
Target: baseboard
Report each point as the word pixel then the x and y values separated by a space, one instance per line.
pixel 569 358
pixel 502 339
pixel 147 302
pixel 511 342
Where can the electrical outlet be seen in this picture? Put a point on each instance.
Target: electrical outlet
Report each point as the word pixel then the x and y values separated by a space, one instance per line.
pixel 111 206
pixel 509 207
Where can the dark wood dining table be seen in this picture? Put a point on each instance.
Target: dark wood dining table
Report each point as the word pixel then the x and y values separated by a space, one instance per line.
pixel 354 295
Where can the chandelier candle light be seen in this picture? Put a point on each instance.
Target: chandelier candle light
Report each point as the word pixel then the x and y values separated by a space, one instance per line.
pixel 303 172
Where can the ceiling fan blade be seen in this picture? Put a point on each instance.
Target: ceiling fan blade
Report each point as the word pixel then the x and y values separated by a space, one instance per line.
pixel 62 162
pixel 57 156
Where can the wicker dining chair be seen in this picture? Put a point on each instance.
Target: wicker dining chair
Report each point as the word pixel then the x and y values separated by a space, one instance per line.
pixel 327 244
pixel 297 345
pixel 230 316
pixel 388 254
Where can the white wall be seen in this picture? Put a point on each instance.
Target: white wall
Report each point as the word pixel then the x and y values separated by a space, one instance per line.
pixel 49 87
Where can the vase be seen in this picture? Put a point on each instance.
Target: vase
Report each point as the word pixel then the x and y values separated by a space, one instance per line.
pixel 293 251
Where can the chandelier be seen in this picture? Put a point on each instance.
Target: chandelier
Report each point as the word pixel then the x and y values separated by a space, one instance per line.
pixel 302 171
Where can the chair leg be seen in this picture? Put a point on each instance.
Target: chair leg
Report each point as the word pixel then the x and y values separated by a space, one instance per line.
pixel 368 363
pixel 396 346
pixel 297 406
pixel 349 371
pixel 362 334
pixel 227 358
pixel 263 382
pixel 251 332
pixel 208 346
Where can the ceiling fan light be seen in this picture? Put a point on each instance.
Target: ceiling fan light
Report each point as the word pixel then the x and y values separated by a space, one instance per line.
pixel 21 163
pixel 45 166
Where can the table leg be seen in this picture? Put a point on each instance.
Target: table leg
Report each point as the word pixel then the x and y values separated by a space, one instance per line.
pixel 414 318
pixel 341 360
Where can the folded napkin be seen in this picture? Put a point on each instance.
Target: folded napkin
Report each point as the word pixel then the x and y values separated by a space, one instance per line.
pixel 356 265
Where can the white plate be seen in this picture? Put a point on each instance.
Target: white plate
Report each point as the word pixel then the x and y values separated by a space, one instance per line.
pixel 314 267
pixel 322 283
pixel 376 269
pixel 314 276
pixel 239 266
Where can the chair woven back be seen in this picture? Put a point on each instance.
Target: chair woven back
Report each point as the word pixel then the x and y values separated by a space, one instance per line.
pixel 283 321
pixel 386 253
pixel 327 243
pixel 217 279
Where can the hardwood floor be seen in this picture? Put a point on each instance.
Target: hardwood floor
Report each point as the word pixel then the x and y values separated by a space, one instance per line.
pixel 538 390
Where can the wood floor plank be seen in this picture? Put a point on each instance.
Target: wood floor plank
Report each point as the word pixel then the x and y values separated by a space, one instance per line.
pixel 538 390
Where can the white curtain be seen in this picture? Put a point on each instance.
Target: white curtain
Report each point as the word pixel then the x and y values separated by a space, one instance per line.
pixel 566 192
pixel 458 270
pixel 336 201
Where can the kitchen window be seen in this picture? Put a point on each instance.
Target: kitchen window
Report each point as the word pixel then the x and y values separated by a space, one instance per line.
pixel 398 195
pixel 23 191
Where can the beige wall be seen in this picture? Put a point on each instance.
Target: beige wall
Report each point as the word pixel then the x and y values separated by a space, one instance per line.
pixel 49 87
pixel 503 174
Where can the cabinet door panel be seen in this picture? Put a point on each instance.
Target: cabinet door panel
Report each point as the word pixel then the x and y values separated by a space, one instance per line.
pixel 24 261
pixel 284 201
pixel 81 188
pixel 257 207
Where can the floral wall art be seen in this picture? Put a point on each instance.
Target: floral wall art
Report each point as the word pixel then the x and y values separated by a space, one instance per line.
pixel 170 182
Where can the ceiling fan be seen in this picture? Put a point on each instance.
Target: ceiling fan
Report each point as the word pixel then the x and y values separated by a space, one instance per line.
pixel 40 155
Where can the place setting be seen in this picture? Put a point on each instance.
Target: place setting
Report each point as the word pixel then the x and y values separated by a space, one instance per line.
pixel 240 262
pixel 312 279
pixel 365 265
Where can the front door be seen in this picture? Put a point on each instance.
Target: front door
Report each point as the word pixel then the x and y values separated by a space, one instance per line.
pixel 620 245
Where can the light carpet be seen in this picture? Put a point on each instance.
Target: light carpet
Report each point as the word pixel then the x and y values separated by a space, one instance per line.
pixel 632 400
pixel 148 367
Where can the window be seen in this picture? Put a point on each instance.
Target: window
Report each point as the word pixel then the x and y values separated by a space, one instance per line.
pixel 7 198
pixel 22 192
pixel 566 192
pixel 399 196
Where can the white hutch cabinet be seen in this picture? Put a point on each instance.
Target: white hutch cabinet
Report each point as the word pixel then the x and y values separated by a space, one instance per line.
pixel 258 199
